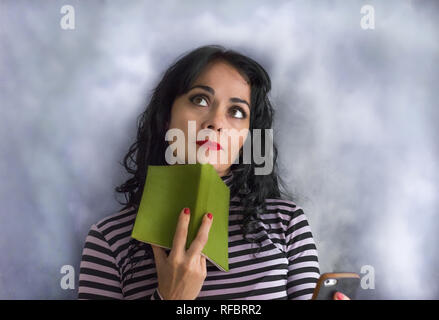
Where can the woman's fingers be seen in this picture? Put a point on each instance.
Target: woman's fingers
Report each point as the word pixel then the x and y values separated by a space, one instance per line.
pixel 203 262
pixel 159 254
pixel 202 236
pixel 340 296
pixel 182 274
pixel 180 236
pixel 179 241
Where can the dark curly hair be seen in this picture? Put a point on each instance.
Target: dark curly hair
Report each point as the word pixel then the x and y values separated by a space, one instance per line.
pixel 149 149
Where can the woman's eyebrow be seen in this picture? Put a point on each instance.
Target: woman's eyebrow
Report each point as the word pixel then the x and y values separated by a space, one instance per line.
pixel 207 88
pixel 237 100
pixel 212 92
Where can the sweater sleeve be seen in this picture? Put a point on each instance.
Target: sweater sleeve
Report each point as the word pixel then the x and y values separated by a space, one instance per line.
pixel 303 266
pixel 99 276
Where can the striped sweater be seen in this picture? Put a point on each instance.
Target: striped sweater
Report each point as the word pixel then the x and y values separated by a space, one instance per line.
pixel 286 266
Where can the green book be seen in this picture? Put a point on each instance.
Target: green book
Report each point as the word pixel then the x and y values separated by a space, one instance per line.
pixel 169 189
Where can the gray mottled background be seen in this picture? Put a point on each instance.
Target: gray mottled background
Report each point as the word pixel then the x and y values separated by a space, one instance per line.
pixel 356 124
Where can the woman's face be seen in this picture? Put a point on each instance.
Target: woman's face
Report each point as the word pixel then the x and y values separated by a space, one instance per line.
pixel 218 100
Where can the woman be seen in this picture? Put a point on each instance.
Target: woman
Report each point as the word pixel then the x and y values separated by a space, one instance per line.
pixel 272 254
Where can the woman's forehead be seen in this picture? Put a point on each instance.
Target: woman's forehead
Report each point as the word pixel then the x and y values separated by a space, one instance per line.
pixel 223 78
pixel 219 69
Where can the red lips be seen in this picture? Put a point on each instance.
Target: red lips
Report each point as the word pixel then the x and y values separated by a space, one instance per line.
pixel 210 144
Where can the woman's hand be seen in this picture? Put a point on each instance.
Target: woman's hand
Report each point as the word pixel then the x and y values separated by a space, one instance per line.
pixel 340 296
pixel 181 274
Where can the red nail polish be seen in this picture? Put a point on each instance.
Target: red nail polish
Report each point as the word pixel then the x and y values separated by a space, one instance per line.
pixel 209 215
pixel 340 296
pixel 186 210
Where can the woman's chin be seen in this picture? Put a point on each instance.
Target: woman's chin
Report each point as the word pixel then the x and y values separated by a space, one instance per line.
pixel 217 166
pixel 213 158
pixel 210 161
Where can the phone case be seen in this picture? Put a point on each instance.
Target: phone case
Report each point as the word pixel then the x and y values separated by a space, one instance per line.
pixel 329 283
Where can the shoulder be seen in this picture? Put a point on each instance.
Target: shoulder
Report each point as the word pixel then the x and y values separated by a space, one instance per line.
pixel 287 208
pixel 281 202
pixel 294 219
pixel 290 225
pixel 115 230
pixel 115 219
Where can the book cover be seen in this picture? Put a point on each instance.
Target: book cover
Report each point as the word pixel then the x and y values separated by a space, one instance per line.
pixel 169 189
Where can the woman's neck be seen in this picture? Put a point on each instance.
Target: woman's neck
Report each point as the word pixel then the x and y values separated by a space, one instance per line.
pixel 224 173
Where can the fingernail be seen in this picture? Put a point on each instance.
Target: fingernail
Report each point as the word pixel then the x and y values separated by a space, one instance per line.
pixel 340 296
pixel 186 210
pixel 209 215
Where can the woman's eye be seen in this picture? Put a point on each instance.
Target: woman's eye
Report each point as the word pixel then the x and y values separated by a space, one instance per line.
pixel 198 100
pixel 238 113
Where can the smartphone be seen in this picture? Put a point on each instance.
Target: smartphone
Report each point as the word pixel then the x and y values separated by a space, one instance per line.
pixel 329 283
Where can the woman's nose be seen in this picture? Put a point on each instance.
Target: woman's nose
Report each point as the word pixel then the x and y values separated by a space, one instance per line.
pixel 214 121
